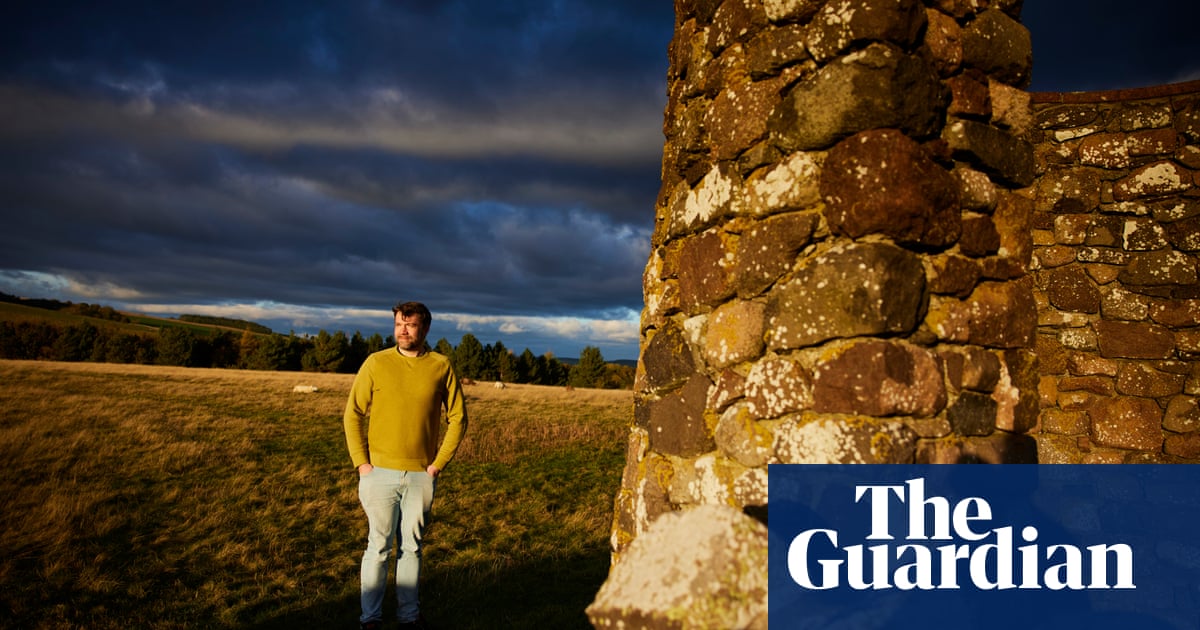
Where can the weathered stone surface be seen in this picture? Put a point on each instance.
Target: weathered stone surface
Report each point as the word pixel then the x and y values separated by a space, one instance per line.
pixel 643 494
pixel 741 436
pixel 1184 235
pixel 1016 394
pixel 667 359
pixel 1064 422
pixel 943 39
pixel 1070 289
pixel 1127 422
pixel 699 568
pixel 877 87
pixel 1068 190
pixel 1186 445
pixel 1175 313
pixel 979 237
pixel 1118 303
pixel 812 439
pixel 1160 268
pixel 975 190
pixel 969 96
pixel 995 151
pixel 738 116
pixel 734 334
pixel 1134 340
pixel 773 49
pixel 729 388
pixel 881 182
pixel 858 289
pixel 972 414
pixel 953 275
pixel 1000 46
pixel 768 249
pixel 996 315
pixel 1066 116
pixel 703 277
pixel 880 378
pixel 735 22
pixel 843 22
pixel 1139 379
pixel 1010 108
pixel 1151 180
pixel 1183 415
pixel 998 448
pixel 712 479
pixel 791 10
pixel 1106 150
pixel 1100 385
pixel 794 184
pixel 676 421
pixel 775 387
pixel 972 368
pixel 1143 234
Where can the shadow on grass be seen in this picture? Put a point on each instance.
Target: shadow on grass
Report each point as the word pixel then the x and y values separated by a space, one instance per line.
pixel 539 594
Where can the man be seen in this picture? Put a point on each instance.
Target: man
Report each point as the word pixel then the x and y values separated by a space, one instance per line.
pixel 392 422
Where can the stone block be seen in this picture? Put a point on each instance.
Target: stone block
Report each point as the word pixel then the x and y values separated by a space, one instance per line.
pixel 676 422
pixel 972 414
pixel 667 359
pixel 1151 180
pixel 943 40
pixel 697 568
pixel 768 249
pixel 734 333
pixel 1070 289
pixel 880 378
pixel 840 24
pixel 1186 445
pixel 1134 340
pixel 1000 46
pixel 1159 268
pixel 1182 415
pixel 878 87
pixel 979 237
pixel 812 439
pixel 880 181
pixel 852 290
pixel 1140 379
pixel 1127 422
pixel 775 387
pixel 994 150
pixel 996 315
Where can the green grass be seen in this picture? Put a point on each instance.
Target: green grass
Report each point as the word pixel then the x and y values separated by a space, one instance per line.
pixel 151 497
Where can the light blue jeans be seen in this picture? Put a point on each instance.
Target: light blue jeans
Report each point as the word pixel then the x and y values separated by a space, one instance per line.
pixel 396 502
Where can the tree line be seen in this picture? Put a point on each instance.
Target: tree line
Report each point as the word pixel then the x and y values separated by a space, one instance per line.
pixel 323 352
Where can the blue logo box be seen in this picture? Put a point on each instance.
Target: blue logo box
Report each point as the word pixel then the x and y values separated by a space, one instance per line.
pixel 1012 547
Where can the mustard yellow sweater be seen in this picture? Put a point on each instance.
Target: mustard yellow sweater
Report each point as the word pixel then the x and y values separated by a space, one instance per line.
pixel 393 415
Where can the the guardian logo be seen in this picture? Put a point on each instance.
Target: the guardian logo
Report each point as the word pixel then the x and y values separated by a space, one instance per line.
pixel 949 546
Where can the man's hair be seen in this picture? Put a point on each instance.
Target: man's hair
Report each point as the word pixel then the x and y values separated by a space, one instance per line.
pixel 408 309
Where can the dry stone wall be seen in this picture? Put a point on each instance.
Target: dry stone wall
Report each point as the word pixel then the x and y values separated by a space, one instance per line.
pixel 839 274
pixel 1116 235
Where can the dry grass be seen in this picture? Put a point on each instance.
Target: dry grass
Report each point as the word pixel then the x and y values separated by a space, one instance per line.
pixel 152 497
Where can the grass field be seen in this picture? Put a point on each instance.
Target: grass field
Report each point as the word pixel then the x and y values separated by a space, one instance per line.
pixel 152 497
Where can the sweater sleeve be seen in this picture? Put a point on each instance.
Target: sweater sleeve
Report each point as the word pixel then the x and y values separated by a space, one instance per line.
pixel 354 419
pixel 456 416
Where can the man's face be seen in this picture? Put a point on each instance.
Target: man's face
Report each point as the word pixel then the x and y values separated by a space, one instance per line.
pixel 409 334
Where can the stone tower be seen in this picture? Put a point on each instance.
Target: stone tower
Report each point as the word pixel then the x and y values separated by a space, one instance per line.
pixel 838 274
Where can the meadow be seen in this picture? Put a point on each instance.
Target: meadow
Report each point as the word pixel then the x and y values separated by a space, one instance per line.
pixel 161 497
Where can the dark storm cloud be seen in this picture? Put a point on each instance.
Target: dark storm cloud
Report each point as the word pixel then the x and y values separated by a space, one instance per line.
pixel 304 164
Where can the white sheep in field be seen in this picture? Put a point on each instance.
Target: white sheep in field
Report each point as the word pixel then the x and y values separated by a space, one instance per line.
pixel 304 389
pixel 499 385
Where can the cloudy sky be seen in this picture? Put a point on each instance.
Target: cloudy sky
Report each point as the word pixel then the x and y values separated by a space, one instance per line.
pixel 307 164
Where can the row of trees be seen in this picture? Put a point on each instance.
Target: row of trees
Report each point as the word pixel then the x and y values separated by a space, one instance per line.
pixel 324 352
